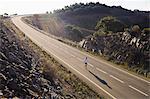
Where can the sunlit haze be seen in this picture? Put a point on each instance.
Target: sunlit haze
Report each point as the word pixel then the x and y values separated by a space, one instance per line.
pixel 41 6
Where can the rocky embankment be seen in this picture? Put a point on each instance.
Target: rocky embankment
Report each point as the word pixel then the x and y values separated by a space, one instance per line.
pixel 130 47
pixel 20 73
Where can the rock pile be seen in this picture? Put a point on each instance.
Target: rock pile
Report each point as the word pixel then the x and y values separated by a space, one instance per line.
pixel 20 74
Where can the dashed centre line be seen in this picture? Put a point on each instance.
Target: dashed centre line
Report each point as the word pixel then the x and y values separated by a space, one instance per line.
pixel 138 90
pixel 116 78
pixel 90 65
pixel 101 70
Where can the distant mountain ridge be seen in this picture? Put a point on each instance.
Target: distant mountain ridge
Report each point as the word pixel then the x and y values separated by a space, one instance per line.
pixel 87 15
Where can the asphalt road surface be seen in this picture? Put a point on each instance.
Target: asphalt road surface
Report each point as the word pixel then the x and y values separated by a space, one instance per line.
pixel 104 78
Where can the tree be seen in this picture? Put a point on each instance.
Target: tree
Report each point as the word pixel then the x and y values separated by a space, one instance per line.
pixel 135 31
pixel 1 16
pixel 73 33
pixel 6 14
pixel 136 28
pixel 46 12
pixel 110 24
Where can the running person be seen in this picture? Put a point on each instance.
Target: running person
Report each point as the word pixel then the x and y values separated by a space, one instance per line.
pixel 85 62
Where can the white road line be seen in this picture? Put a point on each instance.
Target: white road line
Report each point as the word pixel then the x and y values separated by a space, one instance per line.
pixel 101 70
pixel 138 90
pixel 93 66
pixel 90 65
pixel 72 55
pixel 120 70
pixel 116 78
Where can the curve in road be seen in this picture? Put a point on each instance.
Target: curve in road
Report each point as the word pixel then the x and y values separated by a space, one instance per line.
pixel 104 78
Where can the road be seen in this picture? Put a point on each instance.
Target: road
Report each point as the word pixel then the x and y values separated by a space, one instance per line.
pixel 104 78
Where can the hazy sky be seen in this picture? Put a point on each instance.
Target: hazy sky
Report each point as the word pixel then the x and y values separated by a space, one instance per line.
pixel 41 6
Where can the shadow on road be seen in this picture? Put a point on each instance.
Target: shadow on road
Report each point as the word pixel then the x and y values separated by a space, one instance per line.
pixel 101 80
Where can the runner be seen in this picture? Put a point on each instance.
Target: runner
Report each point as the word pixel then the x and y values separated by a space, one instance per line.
pixel 85 62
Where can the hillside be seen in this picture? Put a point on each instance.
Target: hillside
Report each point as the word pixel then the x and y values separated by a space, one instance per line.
pixel 87 15
pixel 77 21
pixel 54 25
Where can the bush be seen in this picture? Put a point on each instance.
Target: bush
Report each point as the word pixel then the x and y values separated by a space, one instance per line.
pixel 110 24
pixel 73 33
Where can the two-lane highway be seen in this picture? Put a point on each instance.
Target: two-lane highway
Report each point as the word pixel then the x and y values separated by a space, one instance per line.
pixel 101 76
